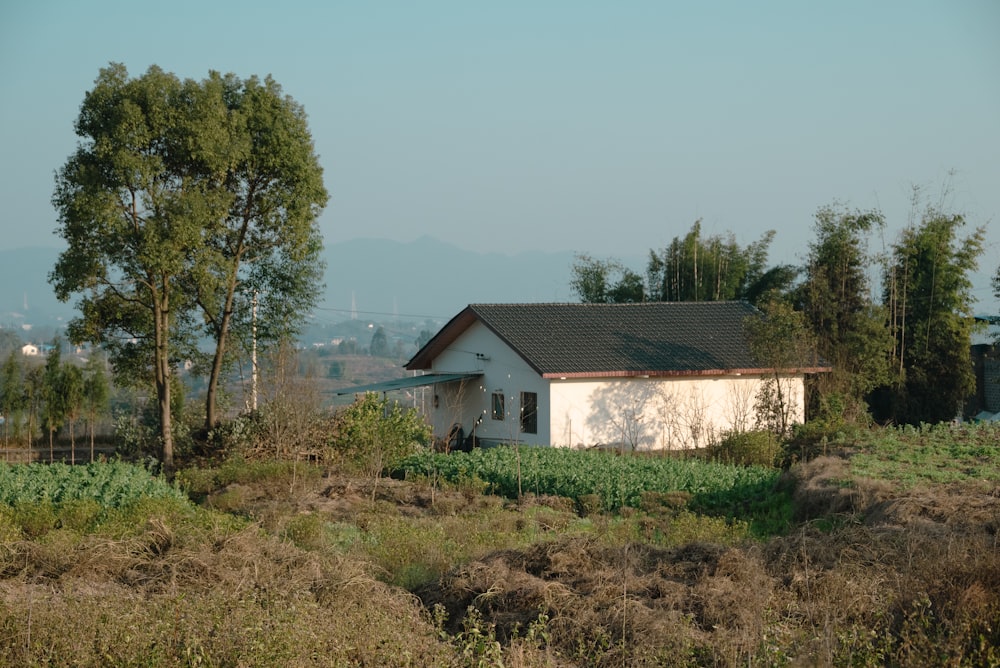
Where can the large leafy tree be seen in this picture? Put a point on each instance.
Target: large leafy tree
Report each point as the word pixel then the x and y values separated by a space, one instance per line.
pixel 132 209
pixel 170 207
pixel 928 294
pixel 259 269
pixel 850 330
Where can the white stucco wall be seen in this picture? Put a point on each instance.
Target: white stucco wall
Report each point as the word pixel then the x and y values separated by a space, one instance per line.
pixel 657 413
pixel 645 413
pixel 478 349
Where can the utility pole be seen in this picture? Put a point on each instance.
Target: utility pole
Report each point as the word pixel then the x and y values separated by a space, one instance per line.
pixel 253 356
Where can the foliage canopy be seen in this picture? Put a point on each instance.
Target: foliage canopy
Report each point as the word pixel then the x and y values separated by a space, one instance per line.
pixel 928 294
pixel 182 200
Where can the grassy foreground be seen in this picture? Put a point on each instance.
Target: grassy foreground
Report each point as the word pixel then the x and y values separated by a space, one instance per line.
pixel 886 554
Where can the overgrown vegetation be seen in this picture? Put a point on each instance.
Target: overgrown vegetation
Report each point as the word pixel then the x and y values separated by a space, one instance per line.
pixel 887 557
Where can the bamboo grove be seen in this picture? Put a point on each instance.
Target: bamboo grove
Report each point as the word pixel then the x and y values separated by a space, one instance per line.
pixel 895 324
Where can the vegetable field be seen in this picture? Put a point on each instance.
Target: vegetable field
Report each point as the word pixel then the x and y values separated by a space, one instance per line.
pixel 618 481
pixel 110 484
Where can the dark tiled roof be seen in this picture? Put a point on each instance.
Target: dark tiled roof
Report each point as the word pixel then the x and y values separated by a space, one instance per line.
pixel 608 339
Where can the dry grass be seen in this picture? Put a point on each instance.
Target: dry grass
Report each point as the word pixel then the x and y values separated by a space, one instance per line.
pixel 286 569
pixel 911 580
pixel 167 596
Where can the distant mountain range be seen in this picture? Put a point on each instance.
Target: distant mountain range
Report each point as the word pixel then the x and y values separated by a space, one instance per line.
pixel 433 278
pixel 374 278
pixel 377 279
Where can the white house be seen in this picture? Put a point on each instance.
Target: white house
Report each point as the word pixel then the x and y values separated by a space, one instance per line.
pixel 29 350
pixel 645 376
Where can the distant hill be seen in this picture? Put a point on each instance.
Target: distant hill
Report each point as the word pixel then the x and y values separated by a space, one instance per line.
pixel 429 277
pixel 25 293
pixel 424 278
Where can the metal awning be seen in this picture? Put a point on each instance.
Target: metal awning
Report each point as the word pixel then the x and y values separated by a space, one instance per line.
pixel 411 381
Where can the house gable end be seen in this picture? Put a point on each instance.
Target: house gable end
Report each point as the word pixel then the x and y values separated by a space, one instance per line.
pixel 424 358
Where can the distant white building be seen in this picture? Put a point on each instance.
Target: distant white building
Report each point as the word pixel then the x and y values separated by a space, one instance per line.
pixel 29 350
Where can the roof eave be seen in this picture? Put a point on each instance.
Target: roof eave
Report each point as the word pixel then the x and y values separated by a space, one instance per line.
pixel 424 358
pixel 680 373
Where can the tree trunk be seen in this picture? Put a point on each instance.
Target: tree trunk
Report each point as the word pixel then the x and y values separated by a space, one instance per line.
pixel 166 425
pixel 222 331
pixel 222 337
pixel 161 317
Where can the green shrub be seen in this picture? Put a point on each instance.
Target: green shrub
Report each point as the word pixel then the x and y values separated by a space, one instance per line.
pixel 230 500
pixel 307 531
pixel 10 529
pixel 80 514
pixel 199 482
pixel 747 448
pixel 35 519
pixel 589 504
pixel 240 435
pixel 374 435
pixel 663 502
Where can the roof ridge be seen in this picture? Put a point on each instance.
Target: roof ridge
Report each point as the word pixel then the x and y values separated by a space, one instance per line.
pixel 616 304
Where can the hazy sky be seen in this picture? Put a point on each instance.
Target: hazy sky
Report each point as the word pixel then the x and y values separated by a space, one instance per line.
pixel 598 127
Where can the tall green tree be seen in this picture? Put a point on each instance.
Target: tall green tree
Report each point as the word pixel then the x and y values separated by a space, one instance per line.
pixel 716 268
pixel 380 343
pixel 850 330
pixel 72 389
pixel 928 294
pixel 9 342
pixel 53 397
pixel 12 396
pixel 172 212
pixel 34 391
pixel 598 281
pixel 95 395
pixel 259 270
pixel 131 210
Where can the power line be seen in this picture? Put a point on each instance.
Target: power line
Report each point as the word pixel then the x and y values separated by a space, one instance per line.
pixel 394 315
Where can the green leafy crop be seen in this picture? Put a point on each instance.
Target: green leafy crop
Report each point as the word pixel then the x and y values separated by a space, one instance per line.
pixel 110 484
